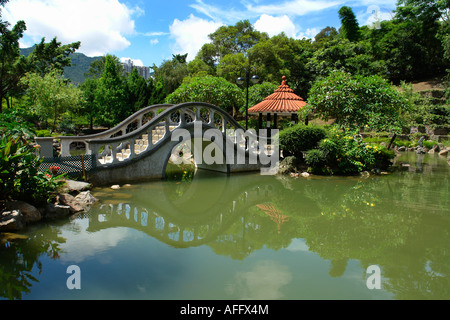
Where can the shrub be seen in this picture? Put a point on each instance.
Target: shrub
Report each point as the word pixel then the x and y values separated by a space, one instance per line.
pixel 341 154
pixel 317 160
pixel 14 123
pixel 296 139
pixel 43 133
pixel 19 175
pixel 429 143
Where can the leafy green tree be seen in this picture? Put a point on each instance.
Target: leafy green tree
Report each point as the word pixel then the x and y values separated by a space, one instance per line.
pixel 358 101
pixel 326 34
pixel 350 26
pixel 49 56
pixel 426 11
pixel 198 67
pixel 259 92
pixel 171 73
pixel 12 65
pixel 295 54
pixel 414 41
pixel 231 66
pixel 97 66
pixel 283 56
pixel 235 39
pixel 158 93
pixel 51 95
pixel 213 90
pixel 89 107
pixel 181 58
pixel 341 54
pixel 139 91
pixel 207 54
pixel 230 40
pixel 265 56
pixel 111 94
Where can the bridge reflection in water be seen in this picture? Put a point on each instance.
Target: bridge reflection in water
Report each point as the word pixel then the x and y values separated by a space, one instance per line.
pixel 344 225
pixel 186 214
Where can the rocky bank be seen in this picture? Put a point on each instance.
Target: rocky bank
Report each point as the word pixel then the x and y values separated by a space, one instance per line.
pixel 75 198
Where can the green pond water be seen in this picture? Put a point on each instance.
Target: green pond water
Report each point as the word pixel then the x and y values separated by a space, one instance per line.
pixel 246 237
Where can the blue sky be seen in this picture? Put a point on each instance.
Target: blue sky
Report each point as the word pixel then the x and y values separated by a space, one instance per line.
pixel 149 32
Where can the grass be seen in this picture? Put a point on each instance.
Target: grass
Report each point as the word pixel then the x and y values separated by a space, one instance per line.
pixel 407 143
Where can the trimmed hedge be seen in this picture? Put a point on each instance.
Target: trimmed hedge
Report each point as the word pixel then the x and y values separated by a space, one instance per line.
pixel 300 138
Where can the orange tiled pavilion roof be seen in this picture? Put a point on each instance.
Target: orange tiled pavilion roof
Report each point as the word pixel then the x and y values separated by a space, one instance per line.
pixel 282 101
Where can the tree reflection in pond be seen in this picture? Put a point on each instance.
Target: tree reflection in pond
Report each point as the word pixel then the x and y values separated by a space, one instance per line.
pixel 398 222
pixel 20 255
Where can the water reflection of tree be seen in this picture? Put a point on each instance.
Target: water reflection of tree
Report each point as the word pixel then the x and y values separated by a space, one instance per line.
pixel 404 232
pixel 20 256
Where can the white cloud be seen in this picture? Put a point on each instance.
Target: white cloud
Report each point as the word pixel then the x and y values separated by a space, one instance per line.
pixel 275 25
pixel 293 7
pixel 191 34
pixel 310 33
pixel 136 62
pixel 298 245
pixel 154 41
pixel 100 25
pixel 373 15
pixel 155 34
pixel 82 244
pixel 228 14
pixel 265 281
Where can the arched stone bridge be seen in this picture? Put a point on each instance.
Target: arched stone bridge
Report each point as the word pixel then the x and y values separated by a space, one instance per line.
pixel 140 147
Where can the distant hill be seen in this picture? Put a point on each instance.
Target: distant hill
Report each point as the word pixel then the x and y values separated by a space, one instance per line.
pixel 80 65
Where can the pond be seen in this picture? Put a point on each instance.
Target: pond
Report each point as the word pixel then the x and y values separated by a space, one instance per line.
pixel 247 236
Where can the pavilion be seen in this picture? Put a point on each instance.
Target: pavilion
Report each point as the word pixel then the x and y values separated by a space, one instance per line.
pixel 283 102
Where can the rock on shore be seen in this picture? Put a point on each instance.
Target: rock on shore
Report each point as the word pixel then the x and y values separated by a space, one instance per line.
pixel 18 214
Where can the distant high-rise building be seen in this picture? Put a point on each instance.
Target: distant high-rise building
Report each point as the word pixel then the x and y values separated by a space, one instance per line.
pixel 144 72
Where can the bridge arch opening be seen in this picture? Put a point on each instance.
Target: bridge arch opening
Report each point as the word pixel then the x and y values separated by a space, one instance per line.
pixel 190 157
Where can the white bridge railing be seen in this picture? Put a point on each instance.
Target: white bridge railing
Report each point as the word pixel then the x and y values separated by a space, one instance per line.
pixel 146 129
pixel 132 123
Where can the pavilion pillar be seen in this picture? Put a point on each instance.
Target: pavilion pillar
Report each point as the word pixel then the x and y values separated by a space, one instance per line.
pixel 268 126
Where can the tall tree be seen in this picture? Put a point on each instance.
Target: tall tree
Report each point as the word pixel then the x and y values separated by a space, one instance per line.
pixel 214 90
pixel 111 95
pixel 12 65
pixel 89 108
pixel 428 21
pixel 350 26
pixel 231 65
pixel 230 40
pixel 326 34
pixel 171 73
pixel 139 91
pixel 53 55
